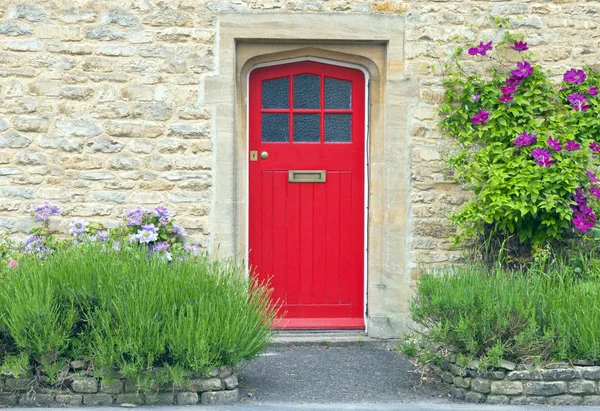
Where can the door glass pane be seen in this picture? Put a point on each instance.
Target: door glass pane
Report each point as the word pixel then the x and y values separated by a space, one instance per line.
pixel 275 128
pixel 338 128
pixel 307 91
pixel 307 128
pixel 276 93
pixel 338 93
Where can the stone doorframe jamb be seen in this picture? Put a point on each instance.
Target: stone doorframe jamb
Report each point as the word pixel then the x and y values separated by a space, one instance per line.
pixel 375 42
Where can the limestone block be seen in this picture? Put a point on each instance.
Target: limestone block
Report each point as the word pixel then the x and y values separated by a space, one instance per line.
pixel 188 130
pixel 202 385
pixel 37 124
pixel 582 387
pixel 524 375
pixel 220 397
pixel 565 400
pixel 77 15
pixel 481 385
pixel 133 128
pixel 123 163
pixel 23 45
pixel 105 145
pixel 27 12
pixel 14 140
pixel 560 374
pixel 506 387
pixel 187 398
pixel 475 397
pixel 498 399
pixel 112 387
pixel 168 18
pixel 97 399
pixel 105 33
pixel 77 125
pixel 11 28
pixel 85 385
pixel 230 382
pixel 69 399
pixel 31 158
pixel 130 399
pixel 116 50
pixel 36 398
pixel 545 388
pixel 120 17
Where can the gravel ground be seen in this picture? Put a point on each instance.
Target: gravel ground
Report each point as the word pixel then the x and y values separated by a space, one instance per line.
pixel 319 374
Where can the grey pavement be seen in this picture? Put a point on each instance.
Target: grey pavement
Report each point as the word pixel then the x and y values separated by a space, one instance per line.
pixel 319 378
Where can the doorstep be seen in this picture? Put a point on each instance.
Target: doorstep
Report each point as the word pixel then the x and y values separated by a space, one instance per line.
pixel 330 338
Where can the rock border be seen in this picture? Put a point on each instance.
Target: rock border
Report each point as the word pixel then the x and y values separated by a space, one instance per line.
pixel 552 384
pixel 77 388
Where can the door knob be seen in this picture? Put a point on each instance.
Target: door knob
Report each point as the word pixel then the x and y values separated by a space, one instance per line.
pixel 264 155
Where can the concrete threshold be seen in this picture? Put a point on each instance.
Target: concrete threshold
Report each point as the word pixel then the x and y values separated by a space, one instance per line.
pixel 330 338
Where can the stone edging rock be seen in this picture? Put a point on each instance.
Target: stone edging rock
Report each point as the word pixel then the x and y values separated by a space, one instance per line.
pixel 553 384
pixel 81 388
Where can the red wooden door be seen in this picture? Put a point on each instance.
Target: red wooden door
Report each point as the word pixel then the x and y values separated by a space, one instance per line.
pixel 307 235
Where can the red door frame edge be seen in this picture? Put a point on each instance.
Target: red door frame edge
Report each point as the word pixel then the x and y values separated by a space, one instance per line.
pixel 366 174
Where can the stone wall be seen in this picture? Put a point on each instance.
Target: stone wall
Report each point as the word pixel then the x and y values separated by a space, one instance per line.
pixel 553 384
pixel 102 102
pixel 79 387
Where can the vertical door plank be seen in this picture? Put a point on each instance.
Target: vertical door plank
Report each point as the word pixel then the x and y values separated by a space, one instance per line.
pixel 293 244
pixel 306 242
pixel 266 227
pixel 320 244
pixel 333 237
pixel 279 281
pixel 347 272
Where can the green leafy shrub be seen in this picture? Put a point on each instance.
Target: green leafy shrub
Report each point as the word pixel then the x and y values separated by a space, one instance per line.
pixel 526 146
pixel 131 311
pixel 494 313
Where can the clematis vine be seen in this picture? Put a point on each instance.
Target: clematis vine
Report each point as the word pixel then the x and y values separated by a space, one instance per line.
pixel 523 70
pixel 594 147
pixel 554 144
pixel 592 177
pixel 584 217
pixel 542 156
pixel 480 118
pixel 572 146
pixel 578 101
pixel 482 49
pixel 574 76
pixel 593 91
pixel 525 139
pixel 520 46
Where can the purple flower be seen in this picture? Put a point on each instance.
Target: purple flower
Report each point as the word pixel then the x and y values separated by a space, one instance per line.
pixel 476 97
pixel 592 177
pixel 542 156
pixel 574 76
pixel 480 118
pixel 584 222
pixel 554 144
pixel 594 147
pixel 134 220
pixel 593 91
pixel 595 191
pixel 43 212
pixel 505 98
pixel 162 212
pixel 34 244
pixel 513 81
pixel 78 228
pixel 584 216
pixel 149 227
pixel 539 153
pixel 145 236
pixel 525 139
pixel 192 249
pixel 482 49
pixel 161 247
pixel 103 235
pixel 523 70
pixel 132 238
pixel 572 146
pixel 179 230
pixel 116 246
pixel 520 46
pixel 508 89
pixel 544 162
pixel 578 101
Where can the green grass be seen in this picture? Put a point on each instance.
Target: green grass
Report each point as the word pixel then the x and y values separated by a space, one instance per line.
pixel 502 314
pixel 131 313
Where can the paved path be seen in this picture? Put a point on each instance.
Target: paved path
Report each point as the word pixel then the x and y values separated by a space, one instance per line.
pixel 318 374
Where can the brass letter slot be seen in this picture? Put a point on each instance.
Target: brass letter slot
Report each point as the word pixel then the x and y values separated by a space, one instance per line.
pixel 306 176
